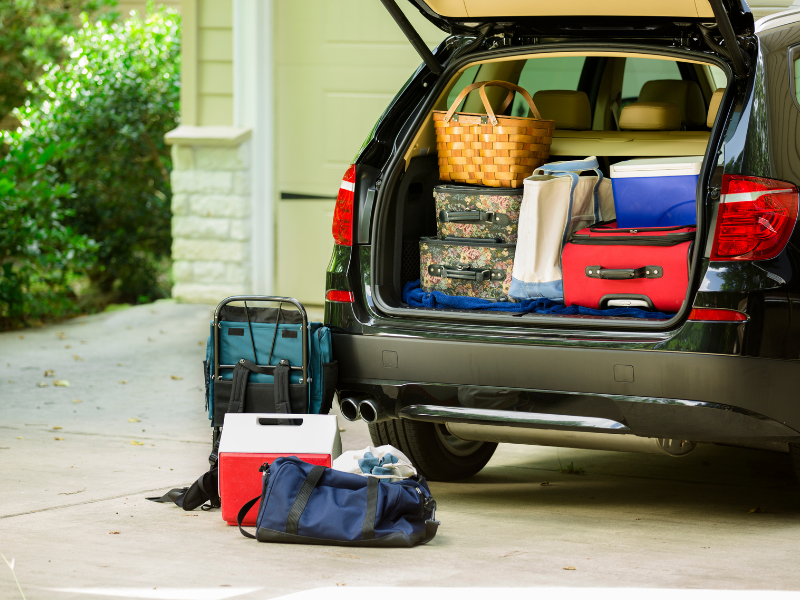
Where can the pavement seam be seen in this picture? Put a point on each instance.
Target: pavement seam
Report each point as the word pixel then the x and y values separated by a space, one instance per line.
pixel 108 435
pixel 31 512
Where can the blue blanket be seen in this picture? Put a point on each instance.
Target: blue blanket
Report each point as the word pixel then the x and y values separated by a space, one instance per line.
pixel 414 296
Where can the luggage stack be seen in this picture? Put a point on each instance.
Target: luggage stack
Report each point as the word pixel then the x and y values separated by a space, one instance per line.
pixel 562 232
pixel 640 260
pixel 473 254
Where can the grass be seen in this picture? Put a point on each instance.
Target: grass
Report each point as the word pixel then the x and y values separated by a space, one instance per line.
pixel 571 469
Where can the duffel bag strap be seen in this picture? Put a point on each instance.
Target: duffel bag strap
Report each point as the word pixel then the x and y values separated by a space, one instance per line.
pixel 368 528
pixel 299 504
pixel 243 513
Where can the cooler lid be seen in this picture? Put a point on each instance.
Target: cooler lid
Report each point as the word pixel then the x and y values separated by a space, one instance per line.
pixel 257 433
pixel 657 167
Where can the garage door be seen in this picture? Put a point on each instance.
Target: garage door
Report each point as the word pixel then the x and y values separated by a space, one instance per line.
pixel 338 65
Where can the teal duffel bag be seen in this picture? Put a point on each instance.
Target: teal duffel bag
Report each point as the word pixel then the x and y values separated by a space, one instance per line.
pixel 256 360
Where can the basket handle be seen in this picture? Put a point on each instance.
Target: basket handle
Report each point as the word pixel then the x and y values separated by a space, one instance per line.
pixel 474 86
pixel 512 88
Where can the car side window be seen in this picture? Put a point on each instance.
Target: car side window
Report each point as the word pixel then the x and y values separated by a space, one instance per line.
pixel 554 73
pixel 466 78
pixel 639 71
pixel 794 73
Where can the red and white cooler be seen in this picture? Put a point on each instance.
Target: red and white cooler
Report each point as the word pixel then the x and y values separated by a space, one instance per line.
pixel 251 439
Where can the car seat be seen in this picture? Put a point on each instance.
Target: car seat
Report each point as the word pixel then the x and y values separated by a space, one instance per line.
pixel 569 109
pixel 650 116
pixel 686 95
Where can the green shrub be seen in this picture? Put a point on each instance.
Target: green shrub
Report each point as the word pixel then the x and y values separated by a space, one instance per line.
pixel 109 107
pixel 32 33
pixel 38 252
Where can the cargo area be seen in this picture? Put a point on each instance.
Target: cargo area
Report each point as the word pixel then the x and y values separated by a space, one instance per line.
pixel 646 118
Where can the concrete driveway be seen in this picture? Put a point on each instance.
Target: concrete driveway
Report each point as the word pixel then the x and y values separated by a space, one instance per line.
pixel 76 464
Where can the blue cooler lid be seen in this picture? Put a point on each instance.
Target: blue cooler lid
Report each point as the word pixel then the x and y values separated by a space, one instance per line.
pixel 671 166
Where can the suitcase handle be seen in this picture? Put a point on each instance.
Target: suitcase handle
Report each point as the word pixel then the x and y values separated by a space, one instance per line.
pixel 466 272
pixel 473 216
pixel 649 272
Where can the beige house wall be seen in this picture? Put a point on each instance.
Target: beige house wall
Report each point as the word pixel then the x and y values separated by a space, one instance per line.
pixel 207 63
pixel 335 74
pixel 332 67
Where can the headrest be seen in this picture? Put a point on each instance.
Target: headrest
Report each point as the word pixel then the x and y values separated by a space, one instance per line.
pixel 686 95
pixel 570 110
pixel 713 106
pixel 650 116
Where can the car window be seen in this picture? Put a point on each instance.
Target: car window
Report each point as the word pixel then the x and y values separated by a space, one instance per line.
pixel 796 76
pixel 555 73
pixel 639 71
pixel 466 78
pixel 719 77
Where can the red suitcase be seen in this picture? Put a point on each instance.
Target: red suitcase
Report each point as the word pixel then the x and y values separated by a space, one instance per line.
pixel 607 267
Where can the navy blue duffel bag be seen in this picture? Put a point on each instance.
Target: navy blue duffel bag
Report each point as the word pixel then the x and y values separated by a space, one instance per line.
pixel 309 504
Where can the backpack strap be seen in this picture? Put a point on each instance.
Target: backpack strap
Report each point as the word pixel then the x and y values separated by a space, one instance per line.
pixel 205 489
pixel 283 402
pixel 241 376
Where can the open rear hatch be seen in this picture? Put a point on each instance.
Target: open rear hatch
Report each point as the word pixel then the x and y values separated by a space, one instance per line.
pixel 504 24
pixel 721 22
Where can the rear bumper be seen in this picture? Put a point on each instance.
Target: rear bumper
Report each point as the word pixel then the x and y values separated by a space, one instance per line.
pixel 698 397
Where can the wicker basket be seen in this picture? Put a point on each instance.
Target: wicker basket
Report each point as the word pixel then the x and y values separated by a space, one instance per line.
pixel 490 150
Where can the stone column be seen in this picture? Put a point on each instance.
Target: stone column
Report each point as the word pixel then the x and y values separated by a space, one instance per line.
pixel 211 205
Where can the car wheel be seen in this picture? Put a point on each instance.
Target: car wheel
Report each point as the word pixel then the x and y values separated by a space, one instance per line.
pixel 434 451
pixel 794 456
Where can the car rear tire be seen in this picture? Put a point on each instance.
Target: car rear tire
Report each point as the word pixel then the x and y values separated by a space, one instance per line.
pixel 437 454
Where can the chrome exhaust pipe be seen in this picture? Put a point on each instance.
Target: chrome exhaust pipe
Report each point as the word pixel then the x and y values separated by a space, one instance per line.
pixel 349 408
pixel 370 411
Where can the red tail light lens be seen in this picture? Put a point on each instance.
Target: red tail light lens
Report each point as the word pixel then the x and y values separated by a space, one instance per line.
pixel 716 314
pixel 339 296
pixel 756 218
pixel 343 213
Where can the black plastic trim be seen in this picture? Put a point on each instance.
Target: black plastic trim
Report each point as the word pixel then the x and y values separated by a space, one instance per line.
pixel 764 386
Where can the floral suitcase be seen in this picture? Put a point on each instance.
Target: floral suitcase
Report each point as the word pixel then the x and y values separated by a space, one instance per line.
pixel 466 267
pixel 470 212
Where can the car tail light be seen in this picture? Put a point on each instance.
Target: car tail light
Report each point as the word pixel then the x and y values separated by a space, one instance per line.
pixel 716 314
pixel 343 213
pixel 755 219
pixel 339 296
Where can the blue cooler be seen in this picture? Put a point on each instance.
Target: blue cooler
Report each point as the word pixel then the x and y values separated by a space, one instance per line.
pixel 656 192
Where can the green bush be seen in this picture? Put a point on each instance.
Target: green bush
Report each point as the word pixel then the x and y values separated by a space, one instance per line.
pixel 108 108
pixel 39 254
pixel 32 36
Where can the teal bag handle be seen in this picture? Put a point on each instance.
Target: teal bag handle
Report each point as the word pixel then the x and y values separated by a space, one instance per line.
pixel 573 168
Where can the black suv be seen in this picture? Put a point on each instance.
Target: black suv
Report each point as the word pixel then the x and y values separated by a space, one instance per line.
pixel 445 386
